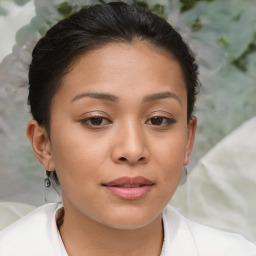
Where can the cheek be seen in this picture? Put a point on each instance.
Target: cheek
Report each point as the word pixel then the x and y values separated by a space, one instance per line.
pixel 171 151
pixel 169 157
pixel 76 155
pixel 71 142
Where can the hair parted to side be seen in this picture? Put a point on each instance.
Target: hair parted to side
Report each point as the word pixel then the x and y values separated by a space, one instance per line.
pixel 94 27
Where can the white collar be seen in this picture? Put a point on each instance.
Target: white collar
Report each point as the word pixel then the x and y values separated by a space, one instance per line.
pixel 178 237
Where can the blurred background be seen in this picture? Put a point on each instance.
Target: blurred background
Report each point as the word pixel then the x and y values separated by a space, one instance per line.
pixel 221 188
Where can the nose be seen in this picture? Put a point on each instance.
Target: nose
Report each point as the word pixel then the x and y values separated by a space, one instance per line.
pixel 130 145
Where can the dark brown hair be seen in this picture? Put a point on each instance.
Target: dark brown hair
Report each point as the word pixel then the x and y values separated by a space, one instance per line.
pixel 94 27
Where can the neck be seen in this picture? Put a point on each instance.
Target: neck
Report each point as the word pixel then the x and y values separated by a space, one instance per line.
pixel 82 235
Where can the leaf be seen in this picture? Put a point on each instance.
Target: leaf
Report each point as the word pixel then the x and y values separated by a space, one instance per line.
pixel 64 9
pixel 231 100
pixel 24 34
pixel 159 10
pixel 3 12
pixel 241 34
pixel 21 2
pixel 141 4
pixel 251 65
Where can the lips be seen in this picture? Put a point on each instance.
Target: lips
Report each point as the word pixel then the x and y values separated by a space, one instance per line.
pixel 129 188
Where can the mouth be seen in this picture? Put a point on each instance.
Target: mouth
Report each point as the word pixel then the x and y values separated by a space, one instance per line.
pixel 129 188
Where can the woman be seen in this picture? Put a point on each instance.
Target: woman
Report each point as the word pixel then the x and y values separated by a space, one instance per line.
pixel 112 93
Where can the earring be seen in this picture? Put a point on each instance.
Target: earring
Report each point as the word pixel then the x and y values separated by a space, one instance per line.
pixel 185 171
pixel 47 181
pixel 184 175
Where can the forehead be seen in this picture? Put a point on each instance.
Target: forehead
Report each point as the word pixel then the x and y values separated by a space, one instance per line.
pixel 124 67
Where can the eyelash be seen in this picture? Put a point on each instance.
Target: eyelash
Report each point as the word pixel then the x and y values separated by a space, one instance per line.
pixel 167 121
pixel 88 121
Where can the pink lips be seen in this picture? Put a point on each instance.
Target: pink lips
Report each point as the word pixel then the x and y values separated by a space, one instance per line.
pixel 129 188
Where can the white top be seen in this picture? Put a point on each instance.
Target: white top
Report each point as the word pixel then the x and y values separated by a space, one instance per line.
pixel 37 234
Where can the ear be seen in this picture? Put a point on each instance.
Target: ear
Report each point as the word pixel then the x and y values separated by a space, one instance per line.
pixel 190 139
pixel 40 144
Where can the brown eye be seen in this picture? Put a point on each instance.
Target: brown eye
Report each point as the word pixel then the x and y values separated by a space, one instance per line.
pixel 160 121
pixel 96 120
pixel 157 120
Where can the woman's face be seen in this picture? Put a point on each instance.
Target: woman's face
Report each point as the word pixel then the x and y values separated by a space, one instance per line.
pixel 119 134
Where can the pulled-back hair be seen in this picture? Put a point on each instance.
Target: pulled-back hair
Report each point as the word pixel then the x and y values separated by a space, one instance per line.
pixel 94 27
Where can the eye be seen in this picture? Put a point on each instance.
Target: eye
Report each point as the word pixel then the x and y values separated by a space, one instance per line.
pixel 160 121
pixel 95 121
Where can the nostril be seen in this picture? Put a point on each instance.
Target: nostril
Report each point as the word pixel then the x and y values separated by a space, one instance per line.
pixel 123 159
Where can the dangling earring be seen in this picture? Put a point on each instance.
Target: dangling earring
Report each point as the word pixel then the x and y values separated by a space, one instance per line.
pixel 47 181
pixel 185 171
pixel 183 175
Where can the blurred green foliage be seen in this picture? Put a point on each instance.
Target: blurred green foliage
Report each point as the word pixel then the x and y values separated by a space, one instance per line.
pixel 230 96
pixel 189 4
pixel 64 9
pixel 21 2
pixel 3 11
pixel 156 8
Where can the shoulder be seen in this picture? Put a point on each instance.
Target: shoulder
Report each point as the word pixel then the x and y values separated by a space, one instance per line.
pixel 216 242
pixel 208 241
pixel 34 234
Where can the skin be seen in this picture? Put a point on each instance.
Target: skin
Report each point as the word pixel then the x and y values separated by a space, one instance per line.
pixel 127 143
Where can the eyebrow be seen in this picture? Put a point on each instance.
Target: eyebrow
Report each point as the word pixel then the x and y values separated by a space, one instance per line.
pixel 113 98
pixel 161 96
pixel 96 95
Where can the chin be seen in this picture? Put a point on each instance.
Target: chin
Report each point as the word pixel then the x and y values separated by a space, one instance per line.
pixel 130 218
